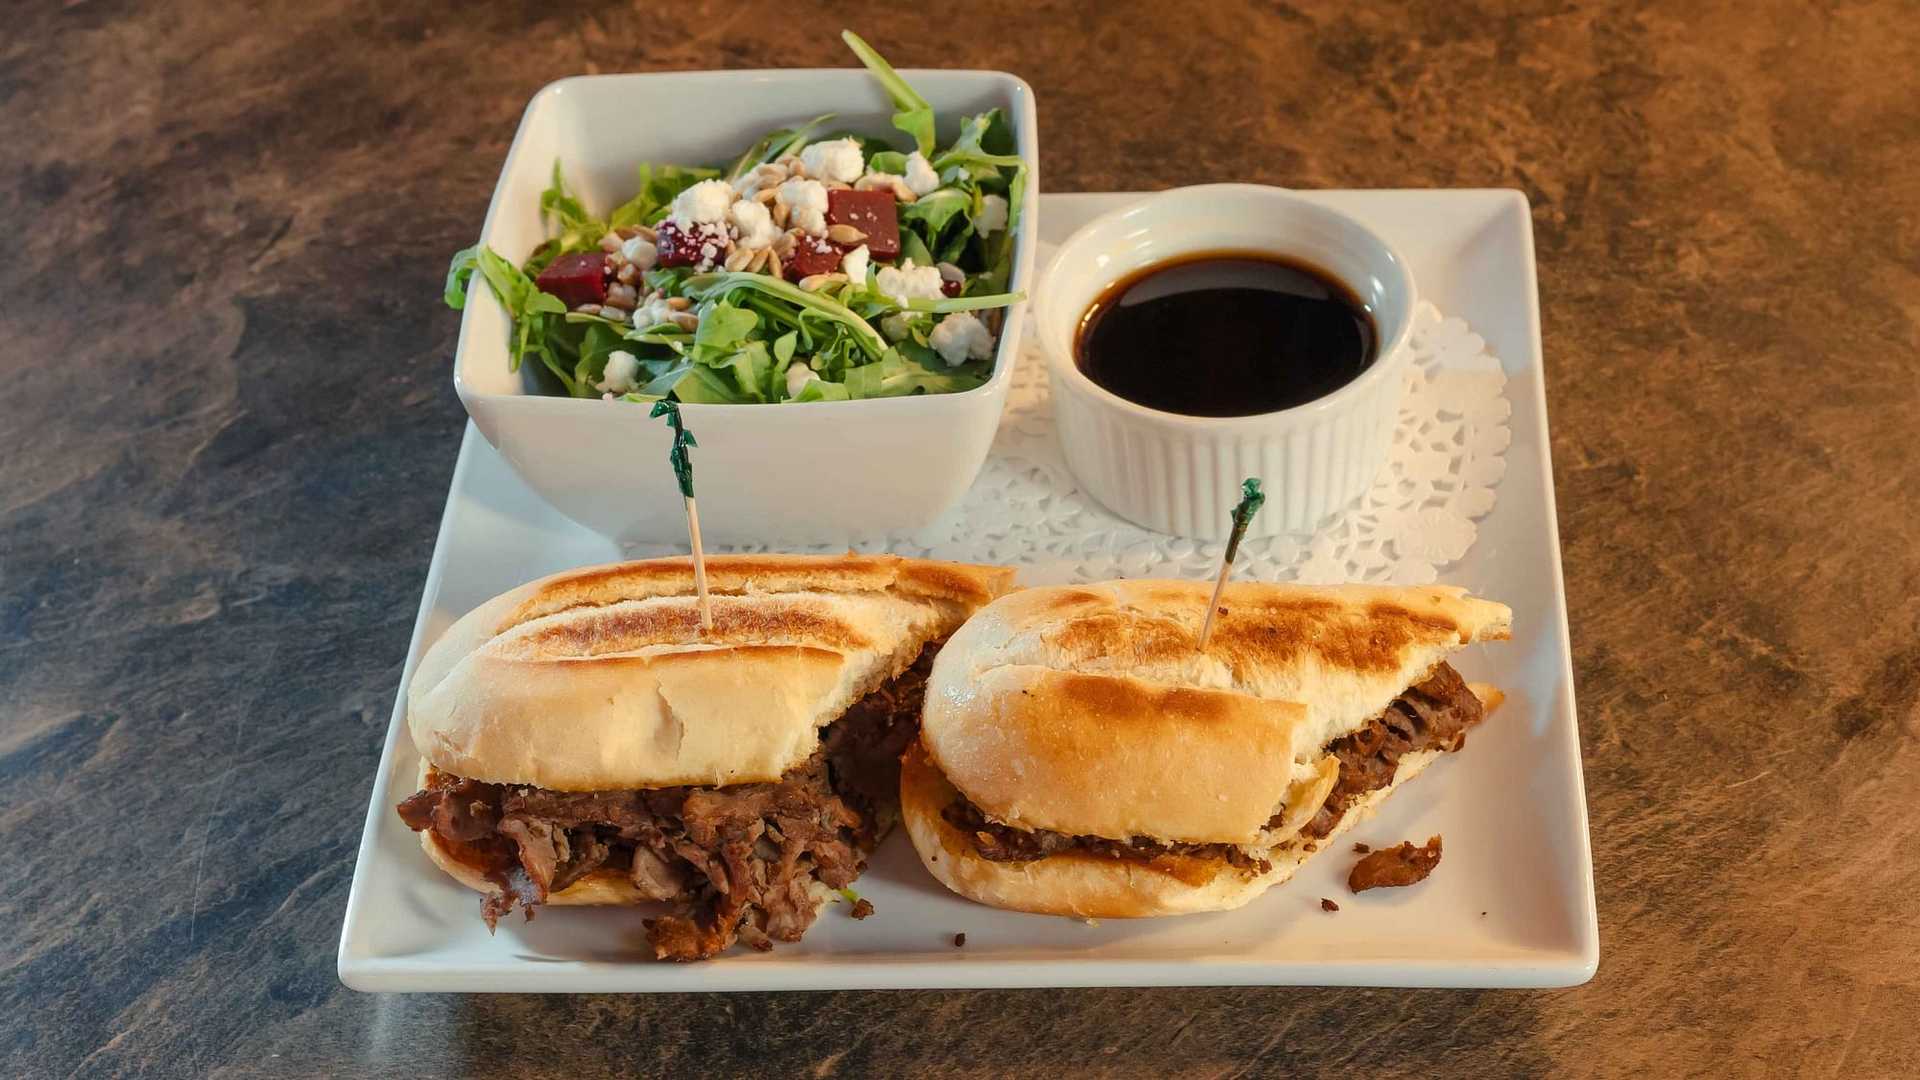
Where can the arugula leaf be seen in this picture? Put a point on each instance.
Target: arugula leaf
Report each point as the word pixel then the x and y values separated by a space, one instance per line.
pixel 774 145
pixel 966 303
pixel 663 382
pixel 822 390
pixel 559 205
pixel 914 248
pixel 596 345
pixel 722 328
pixel 702 385
pixel 896 376
pixel 659 186
pixel 913 115
pixel 705 286
pixel 459 273
pixel 933 213
pixel 531 311
pixel 570 227
pixel 888 161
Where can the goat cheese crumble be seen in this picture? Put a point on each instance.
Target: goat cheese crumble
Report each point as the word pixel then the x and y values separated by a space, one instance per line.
pixel 806 205
pixel 993 215
pixel 909 282
pixel 897 326
pixel 652 313
pixel 704 203
pixel 960 337
pixel 798 376
pixel 640 251
pixel 753 224
pixel 854 264
pixel 921 179
pixel 835 159
pixel 623 373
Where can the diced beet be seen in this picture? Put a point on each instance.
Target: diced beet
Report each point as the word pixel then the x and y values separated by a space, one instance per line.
pixel 699 245
pixel 811 255
pixel 577 278
pixel 950 287
pixel 872 213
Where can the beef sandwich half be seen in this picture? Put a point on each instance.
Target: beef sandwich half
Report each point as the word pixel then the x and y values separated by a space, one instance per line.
pixel 1079 755
pixel 585 741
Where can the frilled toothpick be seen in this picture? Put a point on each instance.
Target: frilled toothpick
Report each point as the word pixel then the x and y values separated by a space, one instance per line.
pixel 683 471
pixel 1250 499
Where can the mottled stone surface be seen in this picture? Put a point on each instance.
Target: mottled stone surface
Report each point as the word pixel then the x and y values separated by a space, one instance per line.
pixel 227 428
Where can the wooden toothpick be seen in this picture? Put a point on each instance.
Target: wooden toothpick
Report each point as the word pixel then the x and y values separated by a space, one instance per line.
pixel 683 471
pixel 1250 499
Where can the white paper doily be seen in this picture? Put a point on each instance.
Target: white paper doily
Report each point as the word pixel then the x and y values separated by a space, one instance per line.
pixel 1025 509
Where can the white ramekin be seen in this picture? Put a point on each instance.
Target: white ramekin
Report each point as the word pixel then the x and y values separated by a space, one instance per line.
pixel 1181 474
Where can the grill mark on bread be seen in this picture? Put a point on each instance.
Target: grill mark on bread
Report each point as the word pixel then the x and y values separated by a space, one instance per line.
pixel 1436 623
pixel 626 627
pixel 1252 633
pixel 1142 703
pixel 741 575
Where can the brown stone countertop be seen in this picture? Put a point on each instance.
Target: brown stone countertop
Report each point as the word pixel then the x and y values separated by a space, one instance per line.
pixel 227 429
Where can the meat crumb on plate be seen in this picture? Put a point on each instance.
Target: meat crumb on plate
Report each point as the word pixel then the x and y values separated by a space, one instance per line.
pixel 1395 867
pixel 1328 905
pixel 960 941
pixel 862 908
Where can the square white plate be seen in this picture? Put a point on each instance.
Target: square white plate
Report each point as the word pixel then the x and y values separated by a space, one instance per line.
pixel 1511 905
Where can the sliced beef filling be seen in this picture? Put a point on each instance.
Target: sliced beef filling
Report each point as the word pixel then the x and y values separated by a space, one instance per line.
pixel 739 860
pixel 1004 843
pixel 1434 714
pixel 1431 715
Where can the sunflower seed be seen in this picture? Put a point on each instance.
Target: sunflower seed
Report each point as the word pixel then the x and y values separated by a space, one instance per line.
pixel 679 303
pixel 773 263
pixel 845 234
pixel 765 196
pixel 623 295
pixel 783 244
pixel 587 309
pixel 610 242
pixel 759 260
pixel 816 282
pixel 642 230
pixel 737 258
pixel 779 214
pixel 627 274
pixel 685 320
pixel 836 185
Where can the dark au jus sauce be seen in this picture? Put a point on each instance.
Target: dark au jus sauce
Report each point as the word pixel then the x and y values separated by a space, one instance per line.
pixel 1225 333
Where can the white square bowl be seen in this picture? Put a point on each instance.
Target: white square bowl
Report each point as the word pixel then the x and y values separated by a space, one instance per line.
pixel 825 472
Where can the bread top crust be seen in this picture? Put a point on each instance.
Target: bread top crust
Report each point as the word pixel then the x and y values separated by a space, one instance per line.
pixel 1089 710
pixel 603 677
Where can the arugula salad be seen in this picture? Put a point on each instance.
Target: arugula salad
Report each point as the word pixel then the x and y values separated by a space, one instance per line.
pixel 819 265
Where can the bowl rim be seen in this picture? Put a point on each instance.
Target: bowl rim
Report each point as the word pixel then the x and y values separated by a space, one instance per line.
pixel 1391 358
pixel 1023 114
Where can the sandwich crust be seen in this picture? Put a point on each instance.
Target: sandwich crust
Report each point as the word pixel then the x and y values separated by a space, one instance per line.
pixel 1088 710
pixel 602 678
pixel 1115 756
